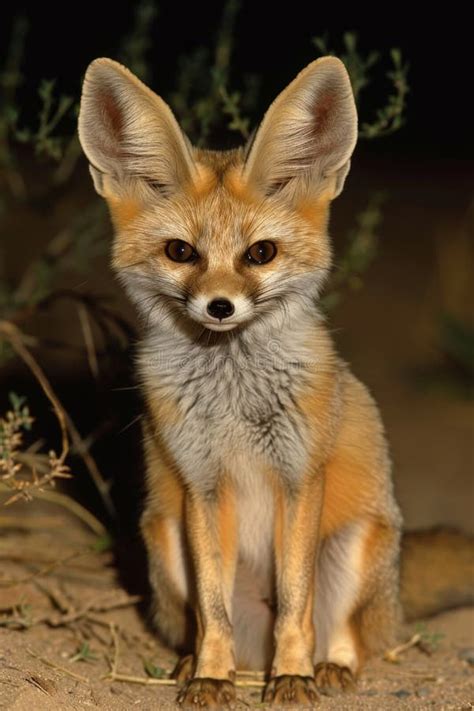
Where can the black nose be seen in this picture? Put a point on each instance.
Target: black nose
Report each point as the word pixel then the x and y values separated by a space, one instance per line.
pixel 220 308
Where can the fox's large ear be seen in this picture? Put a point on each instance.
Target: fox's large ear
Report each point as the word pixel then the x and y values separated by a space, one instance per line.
pixel 307 136
pixel 129 133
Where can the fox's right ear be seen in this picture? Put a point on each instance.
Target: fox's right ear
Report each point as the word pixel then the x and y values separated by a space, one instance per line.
pixel 128 133
pixel 304 143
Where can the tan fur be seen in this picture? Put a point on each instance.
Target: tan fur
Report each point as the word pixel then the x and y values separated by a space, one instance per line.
pixel 269 497
pixel 299 539
pixel 446 558
pixel 227 533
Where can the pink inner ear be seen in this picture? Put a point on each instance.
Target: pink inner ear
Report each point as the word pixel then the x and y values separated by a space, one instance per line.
pixel 112 116
pixel 323 108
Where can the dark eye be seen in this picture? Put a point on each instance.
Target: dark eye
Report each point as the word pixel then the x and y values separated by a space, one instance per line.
pixel 180 251
pixel 261 252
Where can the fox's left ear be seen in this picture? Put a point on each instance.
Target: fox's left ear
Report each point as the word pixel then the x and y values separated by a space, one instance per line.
pixel 307 136
pixel 129 134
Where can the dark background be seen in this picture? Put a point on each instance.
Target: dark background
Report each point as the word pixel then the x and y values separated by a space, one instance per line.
pixel 275 42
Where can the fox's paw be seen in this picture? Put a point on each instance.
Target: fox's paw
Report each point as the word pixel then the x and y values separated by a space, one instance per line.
pixel 207 694
pixel 291 689
pixel 184 669
pixel 331 676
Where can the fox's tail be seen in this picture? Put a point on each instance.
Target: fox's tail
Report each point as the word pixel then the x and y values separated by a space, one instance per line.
pixel 437 571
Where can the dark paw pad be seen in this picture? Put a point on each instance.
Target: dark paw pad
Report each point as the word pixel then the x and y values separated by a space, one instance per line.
pixel 289 689
pixel 207 694
pixel 331 676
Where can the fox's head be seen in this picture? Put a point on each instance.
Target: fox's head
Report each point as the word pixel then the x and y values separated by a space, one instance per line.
pixel 216 240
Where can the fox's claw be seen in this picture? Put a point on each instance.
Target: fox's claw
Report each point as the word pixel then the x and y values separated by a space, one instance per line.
pixel 291 689
pixel 207 694
pixel 331 676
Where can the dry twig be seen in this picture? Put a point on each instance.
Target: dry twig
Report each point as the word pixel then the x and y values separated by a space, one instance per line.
pixel 58 468
pixel 46 569
pixel 393 655
pixel 116 649
pixel 65 502
pixel 58 667
pixel 115 675
pixel 150 681
pixel 17 341
pixel 92 606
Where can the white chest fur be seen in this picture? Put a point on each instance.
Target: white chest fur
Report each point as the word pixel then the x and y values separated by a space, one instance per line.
pixel 238 416
pixel 255 511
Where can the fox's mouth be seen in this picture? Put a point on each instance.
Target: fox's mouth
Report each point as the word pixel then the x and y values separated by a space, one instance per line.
pixel 220 326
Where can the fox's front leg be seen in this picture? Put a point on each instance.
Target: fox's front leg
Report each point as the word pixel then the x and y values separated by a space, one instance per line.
pixel 296 544
pixel 212 535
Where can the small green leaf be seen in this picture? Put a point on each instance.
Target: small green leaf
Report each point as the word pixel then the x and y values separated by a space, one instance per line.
pixel 321 43
pixel 396 56
pixel 84 654
pixel 153 671
pixel 46 88
pixel 350 40
pixel 16 401
pixel 431 639
pixel 23 135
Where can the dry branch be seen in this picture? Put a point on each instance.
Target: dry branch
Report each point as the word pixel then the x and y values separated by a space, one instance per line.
pixel 58 468
pixel 149 681
pixel 17 341
pixel 93 606
pixel 47 569
pixel 58 667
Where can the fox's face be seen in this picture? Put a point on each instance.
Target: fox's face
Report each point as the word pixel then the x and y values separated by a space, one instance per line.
pixel 213 240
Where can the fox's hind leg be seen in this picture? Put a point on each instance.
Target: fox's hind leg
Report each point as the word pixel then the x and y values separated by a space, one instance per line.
pixel 169 567
pixel 356 607
pixel 170 580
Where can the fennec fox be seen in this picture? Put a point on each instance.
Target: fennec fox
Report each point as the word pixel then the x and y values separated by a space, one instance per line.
pixel 270 521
